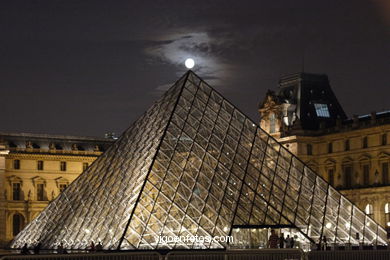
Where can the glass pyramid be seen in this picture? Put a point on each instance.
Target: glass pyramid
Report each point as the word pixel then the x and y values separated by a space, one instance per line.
pixel 193 164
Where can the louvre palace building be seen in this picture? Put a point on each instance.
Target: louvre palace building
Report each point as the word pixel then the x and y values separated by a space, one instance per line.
pixel 194 164
pixel 351 154
pixel 34 169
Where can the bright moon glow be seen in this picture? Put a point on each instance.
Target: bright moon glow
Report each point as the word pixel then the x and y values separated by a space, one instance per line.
pixel 189 63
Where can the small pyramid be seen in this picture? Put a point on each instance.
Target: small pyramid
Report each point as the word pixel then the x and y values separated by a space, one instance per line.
pixel 193 164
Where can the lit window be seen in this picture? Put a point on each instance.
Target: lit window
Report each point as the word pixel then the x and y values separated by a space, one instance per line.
pixel 40 165
pixel 63 166
pixel 16 164
pixel 387 214
pixel 369 210
pixel 322 110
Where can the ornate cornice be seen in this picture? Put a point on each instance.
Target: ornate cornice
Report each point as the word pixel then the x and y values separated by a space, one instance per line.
pixel 54 157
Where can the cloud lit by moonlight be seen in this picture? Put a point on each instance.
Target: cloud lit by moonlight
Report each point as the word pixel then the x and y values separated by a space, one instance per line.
pixel 176 48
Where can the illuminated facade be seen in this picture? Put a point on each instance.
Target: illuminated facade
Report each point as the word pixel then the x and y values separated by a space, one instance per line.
pixel 34 169
pixel 194 165
pixel 351 154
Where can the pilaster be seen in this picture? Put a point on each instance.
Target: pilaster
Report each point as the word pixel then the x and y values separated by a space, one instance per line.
pixel 3 153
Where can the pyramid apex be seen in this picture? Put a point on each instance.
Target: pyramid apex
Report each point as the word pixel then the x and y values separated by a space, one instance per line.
pixel 191 72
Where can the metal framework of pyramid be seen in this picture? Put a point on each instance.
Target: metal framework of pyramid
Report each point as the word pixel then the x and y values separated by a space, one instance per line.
pixel 193 164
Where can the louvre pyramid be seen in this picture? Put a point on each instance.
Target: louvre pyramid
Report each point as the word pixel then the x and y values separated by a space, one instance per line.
pixel 193 164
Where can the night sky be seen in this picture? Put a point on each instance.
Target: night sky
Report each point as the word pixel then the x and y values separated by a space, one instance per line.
pixel 91 67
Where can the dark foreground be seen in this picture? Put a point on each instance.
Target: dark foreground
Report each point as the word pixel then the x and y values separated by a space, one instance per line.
pixel 258 254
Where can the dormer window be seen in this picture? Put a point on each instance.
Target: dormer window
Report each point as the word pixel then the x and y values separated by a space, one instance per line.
pixel 322 110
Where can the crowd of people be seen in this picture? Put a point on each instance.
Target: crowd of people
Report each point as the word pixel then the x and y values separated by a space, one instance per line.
pixel 60 248
pixel 36 249
pixel 276 241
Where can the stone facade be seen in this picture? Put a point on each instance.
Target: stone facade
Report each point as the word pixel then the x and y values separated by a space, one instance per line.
pixel 351 154
pixel 34 169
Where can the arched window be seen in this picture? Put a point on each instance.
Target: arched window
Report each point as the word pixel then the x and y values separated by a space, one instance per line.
pixel 17 224
pixel 272 123
pixel 369 210
pixel 387 214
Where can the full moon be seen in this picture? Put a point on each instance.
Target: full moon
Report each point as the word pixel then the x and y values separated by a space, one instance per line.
pixel 190 63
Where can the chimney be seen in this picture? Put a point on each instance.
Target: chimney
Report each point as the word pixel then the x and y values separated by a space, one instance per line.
pixel 338 123
pixel 373 117
pixel 355 120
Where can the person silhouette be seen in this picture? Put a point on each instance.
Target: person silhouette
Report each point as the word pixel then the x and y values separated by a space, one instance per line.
pixel 273 240
pixel 25 250
pixel 37 248
pixel 99 247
